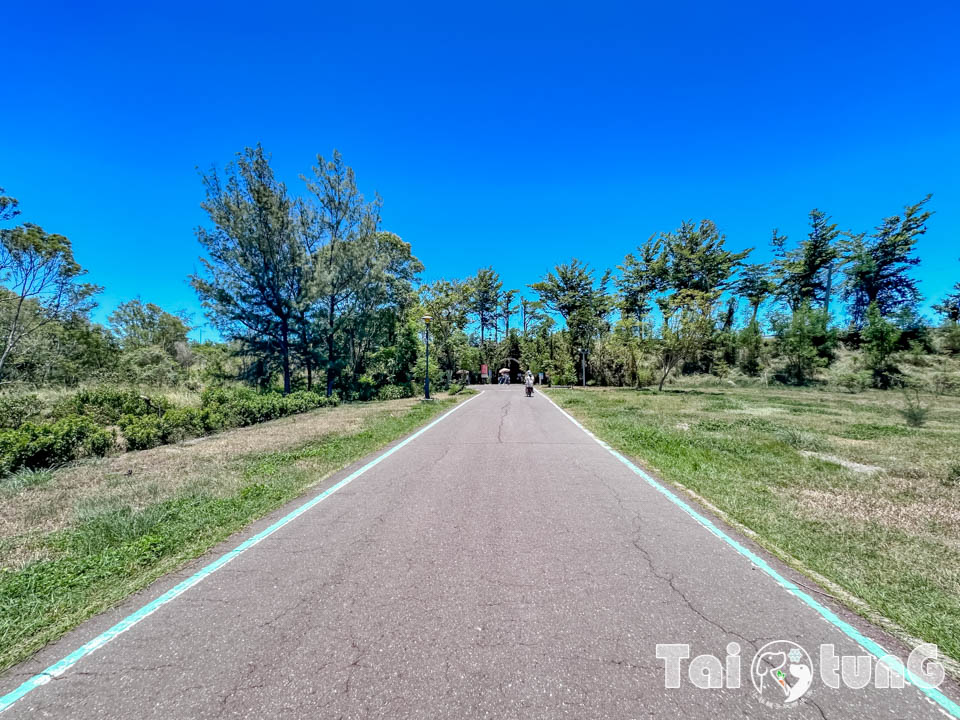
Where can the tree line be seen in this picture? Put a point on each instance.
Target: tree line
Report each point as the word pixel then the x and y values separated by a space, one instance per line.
pixel 309 290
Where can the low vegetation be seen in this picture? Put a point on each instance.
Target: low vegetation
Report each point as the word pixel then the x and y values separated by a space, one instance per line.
pixel 77 540
pixel 840 482
pixel 95 422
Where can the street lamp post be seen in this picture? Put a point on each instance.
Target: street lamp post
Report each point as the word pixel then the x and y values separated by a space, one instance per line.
pixel 426 379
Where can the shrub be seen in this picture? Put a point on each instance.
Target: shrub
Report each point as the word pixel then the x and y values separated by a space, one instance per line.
pixel 243 406
pixel 914 411
pixel 108 405
pixel 141 433
pixel 17 409
pixel 179 423
pixel 38 446
pixel 952 478
pixel 855 382
pixel 799 439
pixel 394 392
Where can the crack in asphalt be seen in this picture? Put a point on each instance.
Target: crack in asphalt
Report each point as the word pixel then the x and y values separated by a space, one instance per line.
pixel 504 411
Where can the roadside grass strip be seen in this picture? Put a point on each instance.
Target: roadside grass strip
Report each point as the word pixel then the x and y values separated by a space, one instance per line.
pixel 874 648
pixel 63 665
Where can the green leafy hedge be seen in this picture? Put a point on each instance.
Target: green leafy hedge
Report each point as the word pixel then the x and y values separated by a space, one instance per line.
pixel 144 422
pixel 38 446
pixel 107 405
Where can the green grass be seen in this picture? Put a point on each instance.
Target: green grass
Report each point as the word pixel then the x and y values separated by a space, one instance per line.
pixel 891 537
pixel 113 550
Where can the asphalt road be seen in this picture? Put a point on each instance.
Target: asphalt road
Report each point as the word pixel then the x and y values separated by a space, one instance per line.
pixel 501 565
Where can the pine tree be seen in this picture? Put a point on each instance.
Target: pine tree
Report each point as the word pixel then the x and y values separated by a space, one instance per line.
pixel 805 274
pixel 878 266
pixel 255 262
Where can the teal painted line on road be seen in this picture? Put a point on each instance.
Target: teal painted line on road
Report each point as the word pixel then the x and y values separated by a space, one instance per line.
pixel 874 648
pixel 60 667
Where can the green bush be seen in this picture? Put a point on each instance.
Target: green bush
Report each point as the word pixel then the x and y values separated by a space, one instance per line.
pixel 179 423
pixel 107 405
pixel 38 446
pixel 855 382
pixel 394 392
pixel 141 433
pixel 17 409
pixel 243 406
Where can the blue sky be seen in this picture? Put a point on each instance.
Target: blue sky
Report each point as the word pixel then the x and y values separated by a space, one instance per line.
pixel 496 134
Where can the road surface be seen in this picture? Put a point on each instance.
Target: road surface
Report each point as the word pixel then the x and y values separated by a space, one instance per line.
pixel 502 564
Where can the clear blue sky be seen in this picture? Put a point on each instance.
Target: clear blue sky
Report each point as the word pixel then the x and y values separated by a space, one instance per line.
pixel 496 134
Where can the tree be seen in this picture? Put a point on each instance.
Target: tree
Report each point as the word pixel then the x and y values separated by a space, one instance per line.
pixel 254 270
pixel 531 314
pixel 446 303
pixel 484 298
pixel 697 270
pixel 878 268
pixel 805 341
pixel 687 329
pixel 382 298
pixel 880 337
pixel 9 206
pixel 507 309
pixel 138 325
pixel 697 260
pixel 583 302
pixel 755 285
pixel 41 280
pixel 641 277
pixel 340 225
pixel 805 274
pixel 949 307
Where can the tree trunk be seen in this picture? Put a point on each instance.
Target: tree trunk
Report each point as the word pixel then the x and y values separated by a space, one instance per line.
pixel 285 350
pixel 331 351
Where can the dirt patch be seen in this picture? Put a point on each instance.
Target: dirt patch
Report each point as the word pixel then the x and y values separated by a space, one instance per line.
pixel 138 479
pixel 911 517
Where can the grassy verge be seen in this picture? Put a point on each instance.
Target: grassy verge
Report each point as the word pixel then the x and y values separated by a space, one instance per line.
pixel 110 549
pixel 837 481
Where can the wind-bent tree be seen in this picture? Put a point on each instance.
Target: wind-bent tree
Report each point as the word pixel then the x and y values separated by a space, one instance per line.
pixel 805 274
pixel 697 260
pixel 340 229
pixel 254 272
pixel 40 279
pixel 878 267
pixel 641 277
pixel 485 288
pixel 697 270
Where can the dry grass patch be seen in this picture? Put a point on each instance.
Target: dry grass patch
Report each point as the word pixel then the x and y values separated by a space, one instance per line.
pixel 136 480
